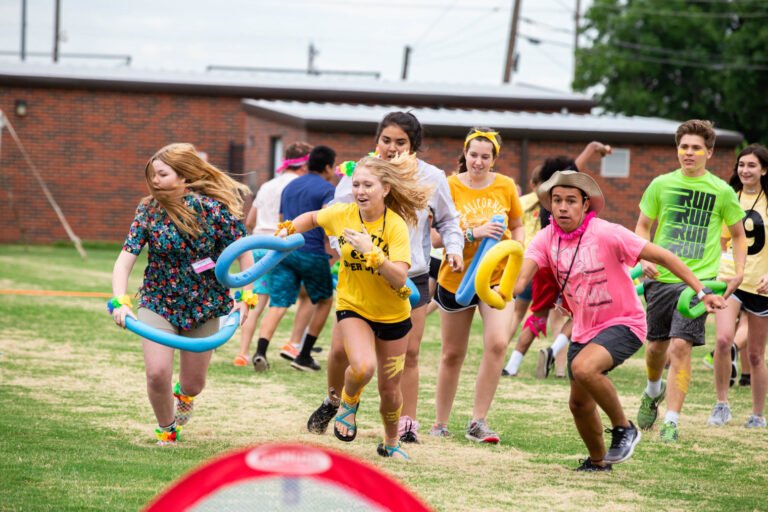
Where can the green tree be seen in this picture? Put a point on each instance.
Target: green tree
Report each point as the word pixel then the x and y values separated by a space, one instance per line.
pixel 679 59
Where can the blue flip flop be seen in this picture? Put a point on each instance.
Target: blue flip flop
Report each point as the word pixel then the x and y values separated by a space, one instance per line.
pixel 348 409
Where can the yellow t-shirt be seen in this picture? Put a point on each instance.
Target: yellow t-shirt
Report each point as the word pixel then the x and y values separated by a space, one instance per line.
pixel 360 288
pixel 476 207
pixel 531 221
pixel 756 229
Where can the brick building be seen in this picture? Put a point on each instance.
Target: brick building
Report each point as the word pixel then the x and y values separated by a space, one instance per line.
pixel 90 133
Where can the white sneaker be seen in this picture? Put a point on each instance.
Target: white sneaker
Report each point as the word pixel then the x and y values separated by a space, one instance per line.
pixel 721 414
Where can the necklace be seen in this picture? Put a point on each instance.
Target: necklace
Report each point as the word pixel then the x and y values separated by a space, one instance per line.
pixel 362 222
pixel 751 208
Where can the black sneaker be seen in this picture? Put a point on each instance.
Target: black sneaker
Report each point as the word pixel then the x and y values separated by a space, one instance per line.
pixel 307 364
pixel 318 421
pixel 260 363
pixel 623 442
pixel 745 380
pixel 587 465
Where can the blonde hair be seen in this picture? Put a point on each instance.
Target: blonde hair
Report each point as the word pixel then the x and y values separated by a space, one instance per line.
pixel 407 195
pixel 201 178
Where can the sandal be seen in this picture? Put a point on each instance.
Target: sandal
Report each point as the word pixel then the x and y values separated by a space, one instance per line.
pixel 348 409
pixel 390 451
pixel 240 360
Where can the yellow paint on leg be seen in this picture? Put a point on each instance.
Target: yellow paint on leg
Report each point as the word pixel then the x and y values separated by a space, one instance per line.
pixel 683 380
pixel 393 416
pixel 395 365
pixel 351 400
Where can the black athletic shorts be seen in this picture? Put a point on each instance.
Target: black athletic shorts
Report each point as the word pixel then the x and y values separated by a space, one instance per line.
pixel 386 332
pixel 618 340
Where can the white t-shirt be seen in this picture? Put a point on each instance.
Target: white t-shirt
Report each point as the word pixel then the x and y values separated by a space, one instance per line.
pixel 267 203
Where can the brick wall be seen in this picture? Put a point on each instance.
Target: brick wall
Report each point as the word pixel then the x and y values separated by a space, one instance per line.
pixel 622 194
pixel 91 149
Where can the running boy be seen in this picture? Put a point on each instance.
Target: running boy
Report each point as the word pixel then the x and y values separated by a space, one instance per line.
pixel 588 257
pixel 689 206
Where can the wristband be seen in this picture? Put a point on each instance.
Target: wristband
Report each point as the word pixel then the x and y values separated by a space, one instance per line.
pixel 704 291
pixel 375 258
pixel 115 303
pixel 288 225
pixel 248 297
pixel 469 235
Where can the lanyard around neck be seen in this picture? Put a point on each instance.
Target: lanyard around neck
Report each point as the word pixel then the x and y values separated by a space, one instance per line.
pixel 383 224
pixel 568 275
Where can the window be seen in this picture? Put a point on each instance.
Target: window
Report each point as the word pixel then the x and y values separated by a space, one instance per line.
pixel 275 154
pixel 615 165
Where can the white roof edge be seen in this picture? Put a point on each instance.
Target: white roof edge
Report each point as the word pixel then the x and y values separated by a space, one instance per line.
pixel 564 122
pixel 126 74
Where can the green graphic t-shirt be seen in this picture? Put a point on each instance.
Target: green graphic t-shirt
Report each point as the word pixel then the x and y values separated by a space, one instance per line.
pixel 690 212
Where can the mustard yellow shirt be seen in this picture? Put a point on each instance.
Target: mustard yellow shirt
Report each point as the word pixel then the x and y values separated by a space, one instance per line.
pixel 476 207
pixel 531 221
pixel 360 288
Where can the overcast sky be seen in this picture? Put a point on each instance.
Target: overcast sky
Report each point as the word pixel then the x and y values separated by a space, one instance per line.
pixel 456 41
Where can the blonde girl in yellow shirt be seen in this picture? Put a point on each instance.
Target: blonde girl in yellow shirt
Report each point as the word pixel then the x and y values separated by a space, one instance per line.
pixel 372 307
pixel 479 194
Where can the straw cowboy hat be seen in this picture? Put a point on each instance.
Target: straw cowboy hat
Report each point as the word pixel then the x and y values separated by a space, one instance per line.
pixel 574 179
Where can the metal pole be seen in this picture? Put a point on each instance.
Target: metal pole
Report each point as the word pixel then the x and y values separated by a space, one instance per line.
pixel 56 32
pixel 23 30
pixel 509 64
pixel 576 20
pixel 406 59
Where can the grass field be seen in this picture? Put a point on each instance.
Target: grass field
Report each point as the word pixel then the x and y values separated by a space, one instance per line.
pixel 76 429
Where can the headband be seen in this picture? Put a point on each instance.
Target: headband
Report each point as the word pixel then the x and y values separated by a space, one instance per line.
pixel 491 136
pixel 293 162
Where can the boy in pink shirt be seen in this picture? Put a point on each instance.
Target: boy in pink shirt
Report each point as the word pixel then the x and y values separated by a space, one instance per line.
pixel 589 257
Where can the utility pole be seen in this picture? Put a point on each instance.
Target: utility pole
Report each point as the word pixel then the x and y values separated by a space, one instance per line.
pixel 56 32
pixel 509 64
pixel 406 60
pixel 576 20
pixel 313 52
pixel 23 30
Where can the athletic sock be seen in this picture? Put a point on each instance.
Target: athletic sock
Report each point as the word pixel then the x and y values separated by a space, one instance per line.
pixel 303 337
pixel 653 388
pixel 513 366
pixel 306 346
pixel 560 342
pixel 672 416
pixel 261 348
pixel 169 428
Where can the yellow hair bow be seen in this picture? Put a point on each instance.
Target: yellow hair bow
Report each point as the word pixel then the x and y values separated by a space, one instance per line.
pixel 491 136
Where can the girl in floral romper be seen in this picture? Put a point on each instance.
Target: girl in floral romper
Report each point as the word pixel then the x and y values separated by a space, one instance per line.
pixel 193 213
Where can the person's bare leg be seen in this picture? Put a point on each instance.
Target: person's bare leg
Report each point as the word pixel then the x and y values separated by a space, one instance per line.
pixel 455 329
pixel 496 325
pixel 410 378
pixel 725 322
pixel 248 328
pixel 587 419
pixel 679 376
pixel 587 369
pixel 758 334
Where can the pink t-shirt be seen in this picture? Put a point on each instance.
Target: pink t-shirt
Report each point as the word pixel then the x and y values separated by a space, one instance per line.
pixel 599 289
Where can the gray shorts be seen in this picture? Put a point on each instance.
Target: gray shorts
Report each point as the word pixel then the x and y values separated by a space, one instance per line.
pixel 618 340
pixel 422 284
pixel 664 321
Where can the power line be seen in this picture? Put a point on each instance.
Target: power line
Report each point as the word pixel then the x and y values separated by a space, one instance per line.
pixel 712 66
pixel 538 40
pixel 438 19
pixel 685 14
pixel 673 52
pixel 468 34
pixel 546 25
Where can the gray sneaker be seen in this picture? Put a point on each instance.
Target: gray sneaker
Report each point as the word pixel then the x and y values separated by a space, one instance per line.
pixel 439 430
pixel 623 442
pixel 755 421
pixel 721 414
pixel 479 432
